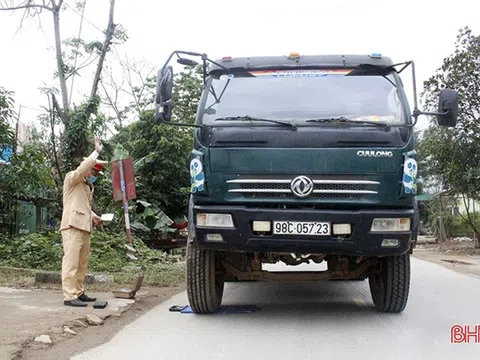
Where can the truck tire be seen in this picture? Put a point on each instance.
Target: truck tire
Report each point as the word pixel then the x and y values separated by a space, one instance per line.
pixel 390 283
pixel 204 283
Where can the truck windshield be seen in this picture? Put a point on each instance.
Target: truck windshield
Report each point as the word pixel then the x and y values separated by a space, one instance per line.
pixel 300 95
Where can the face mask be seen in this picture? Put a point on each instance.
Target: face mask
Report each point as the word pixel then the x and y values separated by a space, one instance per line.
pixel 92 179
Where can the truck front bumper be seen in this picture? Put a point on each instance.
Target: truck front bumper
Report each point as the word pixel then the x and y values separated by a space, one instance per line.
pixel 361 241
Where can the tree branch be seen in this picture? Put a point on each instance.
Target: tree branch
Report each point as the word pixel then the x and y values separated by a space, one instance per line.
pixel 61 114
pixel 106 46
pixel 21 21
pixel 136 97
pixel 52 128
pixel 113 104
pixel 30 6
pixel 59 58
pixel 86 63
pixel 469 217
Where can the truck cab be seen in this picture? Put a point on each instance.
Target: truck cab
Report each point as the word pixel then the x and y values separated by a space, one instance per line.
pixel 301 159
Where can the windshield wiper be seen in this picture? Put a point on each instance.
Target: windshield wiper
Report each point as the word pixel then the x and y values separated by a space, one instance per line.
pixel 343 119
pixel 251 118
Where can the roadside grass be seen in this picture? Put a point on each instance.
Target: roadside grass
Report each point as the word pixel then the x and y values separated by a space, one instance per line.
pixel 13 277
pixel 162 275
pixel 22 257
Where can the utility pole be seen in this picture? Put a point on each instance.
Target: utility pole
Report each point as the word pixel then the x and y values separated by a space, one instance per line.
pixel 17 125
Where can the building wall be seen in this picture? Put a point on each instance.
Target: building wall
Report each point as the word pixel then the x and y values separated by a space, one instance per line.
pixel 30 218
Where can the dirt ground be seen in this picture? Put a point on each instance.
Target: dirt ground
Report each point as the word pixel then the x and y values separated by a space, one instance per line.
pixel 66 346
pixel 27 311
pixel 458 256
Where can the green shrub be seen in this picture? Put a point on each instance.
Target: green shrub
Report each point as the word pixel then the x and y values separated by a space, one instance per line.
pixel 44 251
pixel 457 226
pixel 34 251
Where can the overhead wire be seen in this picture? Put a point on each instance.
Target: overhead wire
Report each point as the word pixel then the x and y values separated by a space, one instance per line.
pixel 88 21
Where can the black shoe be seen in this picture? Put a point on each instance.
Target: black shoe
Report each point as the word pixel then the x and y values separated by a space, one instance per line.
pixel 74 302
pixel 86 298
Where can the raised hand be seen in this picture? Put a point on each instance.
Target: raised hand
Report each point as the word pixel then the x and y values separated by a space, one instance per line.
pixel 98 146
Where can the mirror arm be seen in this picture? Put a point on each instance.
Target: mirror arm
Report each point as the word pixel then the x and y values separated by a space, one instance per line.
pixel 219 65
pixel 177 52
pixel 433 113
pixel 204 58
pixel 160 104
pixel 416 111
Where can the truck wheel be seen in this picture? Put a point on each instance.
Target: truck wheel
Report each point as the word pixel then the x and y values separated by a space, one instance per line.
pixel 389 284
pixel 204 283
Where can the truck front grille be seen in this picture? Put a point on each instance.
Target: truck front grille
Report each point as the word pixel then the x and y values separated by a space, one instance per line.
pixel 324 188
pixel 313 196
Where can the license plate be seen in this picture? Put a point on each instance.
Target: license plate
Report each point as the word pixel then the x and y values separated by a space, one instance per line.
pixel 301 228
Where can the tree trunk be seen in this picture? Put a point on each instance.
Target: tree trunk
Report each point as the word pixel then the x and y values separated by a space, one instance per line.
pixel 54 147
pixel 476 233
pixel 471 220
pixel 60 64
pixel 476 239
pixel 442 236
pixel 106 46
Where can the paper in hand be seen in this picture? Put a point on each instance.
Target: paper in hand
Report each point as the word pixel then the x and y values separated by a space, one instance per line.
pixel 107 217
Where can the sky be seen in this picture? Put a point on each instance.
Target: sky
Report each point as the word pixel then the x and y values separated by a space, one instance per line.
pixel 421 30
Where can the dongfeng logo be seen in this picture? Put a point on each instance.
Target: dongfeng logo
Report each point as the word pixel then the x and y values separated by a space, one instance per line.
pixel 373 153
pixel 302 186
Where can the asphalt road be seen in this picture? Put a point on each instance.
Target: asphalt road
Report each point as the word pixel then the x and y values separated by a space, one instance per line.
pixel 323 320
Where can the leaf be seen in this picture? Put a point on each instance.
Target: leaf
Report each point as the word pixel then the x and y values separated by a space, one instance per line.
pixel 148 212
pixel 163 219
pixel 143 161
pixel 144 203
pixel 150 221
pixel 120 153
pixel 139 227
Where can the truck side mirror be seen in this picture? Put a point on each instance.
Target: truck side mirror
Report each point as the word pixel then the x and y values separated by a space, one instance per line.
pixel 448 108
pixel 163 97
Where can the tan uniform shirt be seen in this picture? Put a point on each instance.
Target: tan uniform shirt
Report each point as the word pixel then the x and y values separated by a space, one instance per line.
pixel 78 198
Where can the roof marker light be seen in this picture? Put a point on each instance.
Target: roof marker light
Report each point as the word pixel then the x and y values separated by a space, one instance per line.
pixel 294 55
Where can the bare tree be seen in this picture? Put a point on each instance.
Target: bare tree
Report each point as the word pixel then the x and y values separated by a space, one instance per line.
pixel 35 8
pixel 113 91
pixel 109 33
pixel 138 75
pixel 132 95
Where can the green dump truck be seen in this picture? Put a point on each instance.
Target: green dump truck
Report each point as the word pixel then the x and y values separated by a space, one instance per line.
pixel 302 159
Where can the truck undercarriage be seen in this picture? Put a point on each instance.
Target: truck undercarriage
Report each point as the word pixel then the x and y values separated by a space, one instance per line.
pixel 389 276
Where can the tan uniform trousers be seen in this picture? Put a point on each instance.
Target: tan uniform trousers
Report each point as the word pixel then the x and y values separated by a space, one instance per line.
pixel 76 250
